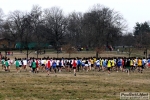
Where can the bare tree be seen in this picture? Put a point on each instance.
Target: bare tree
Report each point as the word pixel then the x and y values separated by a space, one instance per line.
pixel 99 50
pixel 74 28
pixel 102 26
pixel 1 15
pixel 37 26
pixel 128 43
pixel 99 27
pixel 19 25
pixel 69 49
pixel 56 26
pixel 1 21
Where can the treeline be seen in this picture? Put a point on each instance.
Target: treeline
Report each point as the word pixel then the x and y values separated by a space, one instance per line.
pixel 100 26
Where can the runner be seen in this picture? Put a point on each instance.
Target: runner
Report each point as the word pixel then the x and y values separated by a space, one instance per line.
pixel 30 64
pixel 43 61
pixel 7 65
pixel 92 64
pixel 86 65
pixel 109 65
pixel 98 64
pixel 127 65
pixel 48 66
pixel 54 65
pixel 140 65
pixel 25 64
pixel 113 64
pixel 78 64
pixel 83 64
pixel 132 64
pixel 104 64
pixel 148 62
pixel 101 64
pixel 119 64
pixel 33 66
pixel 70 64
pixel 74 66
pixel 17 65
pixel 59 65
pixel 20 63
pixel 37 65
pixel 89 63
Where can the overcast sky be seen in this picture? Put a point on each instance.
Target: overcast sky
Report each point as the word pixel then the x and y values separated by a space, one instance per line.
pixel 132 10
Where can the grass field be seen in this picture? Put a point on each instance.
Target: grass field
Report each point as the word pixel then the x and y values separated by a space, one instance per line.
pixel 76 54
pixel 65 86
pixel 91 85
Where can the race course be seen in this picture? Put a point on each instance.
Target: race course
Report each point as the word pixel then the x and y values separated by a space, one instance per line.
pixel 65 86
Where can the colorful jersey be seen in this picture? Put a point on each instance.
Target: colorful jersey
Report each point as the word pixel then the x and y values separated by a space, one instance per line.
pixel 113 62
pixel 131 62
pixel 92 61
pixel 48 64
pixel 33 64
pixel 17 63
pixel 101 62
pixel 3 61
pixel 74 63
pixel 139 62
pixel 6 63
pixel 109 63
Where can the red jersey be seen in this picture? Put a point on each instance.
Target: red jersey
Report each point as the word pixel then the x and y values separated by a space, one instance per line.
pixel 74 63
pixel 48 64
pixel 122 62
pixel 37 63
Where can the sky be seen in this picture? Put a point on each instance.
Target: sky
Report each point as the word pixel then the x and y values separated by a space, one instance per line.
pixel 132 10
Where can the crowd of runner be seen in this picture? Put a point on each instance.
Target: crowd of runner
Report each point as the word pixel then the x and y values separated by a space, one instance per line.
pixel 54 65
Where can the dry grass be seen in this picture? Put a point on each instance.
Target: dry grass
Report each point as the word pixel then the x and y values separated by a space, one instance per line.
pixel 66 86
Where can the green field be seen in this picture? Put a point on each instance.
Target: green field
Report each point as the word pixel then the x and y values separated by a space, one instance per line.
pixel 65 86
pixel 50 53
pixel 90 85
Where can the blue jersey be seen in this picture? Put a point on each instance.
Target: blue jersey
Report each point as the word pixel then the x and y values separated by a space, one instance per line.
pixel 143 63
pixel 54 64
pixel 60 64
pixel 78 62
pixel 119 63
pixel 104 63
pixel 148 61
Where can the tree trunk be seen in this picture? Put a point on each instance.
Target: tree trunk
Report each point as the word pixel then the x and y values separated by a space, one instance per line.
pixel 37 53
pixel 57 53
pixel 96 54
pixel 69 55
pixel 146 54
pixel 27 53
pixel 129 52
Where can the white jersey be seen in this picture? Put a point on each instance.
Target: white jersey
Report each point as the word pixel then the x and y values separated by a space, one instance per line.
pixel 57 62
pixel 24 62
pixel 39 62
pixel 89 62
pixel 20 63
pixel 83 62
pixel 144 60
pixel 30 62
pixel 62 62
pixel 43 61
pixel 9 62
pixel 97 62
pixel 72 61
